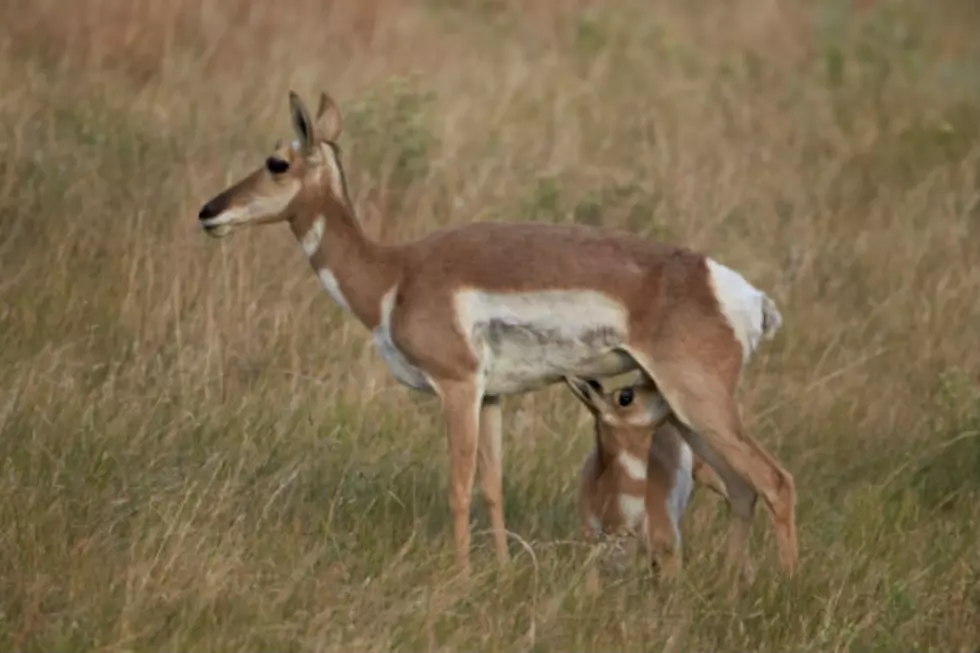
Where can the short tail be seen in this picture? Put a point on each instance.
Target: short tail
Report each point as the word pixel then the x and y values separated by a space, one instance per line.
pixel 772 319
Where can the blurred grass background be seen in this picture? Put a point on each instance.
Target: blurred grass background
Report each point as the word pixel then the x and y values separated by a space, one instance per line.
pixel 200 452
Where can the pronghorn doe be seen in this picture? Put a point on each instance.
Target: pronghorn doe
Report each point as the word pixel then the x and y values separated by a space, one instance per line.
pixel 478 311
pixel 638 479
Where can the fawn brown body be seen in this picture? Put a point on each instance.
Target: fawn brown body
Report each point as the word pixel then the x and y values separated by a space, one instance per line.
pixel 638 479
pixel 478 311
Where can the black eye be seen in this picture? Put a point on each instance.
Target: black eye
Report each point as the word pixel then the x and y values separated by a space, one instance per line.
pixel 625 397
pixel 276 166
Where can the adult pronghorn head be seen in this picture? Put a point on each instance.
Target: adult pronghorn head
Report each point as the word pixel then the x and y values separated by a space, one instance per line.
pixel 294 174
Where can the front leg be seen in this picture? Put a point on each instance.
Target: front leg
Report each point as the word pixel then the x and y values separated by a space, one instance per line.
pixel 663 543
pixel 461 409
pixel 491 474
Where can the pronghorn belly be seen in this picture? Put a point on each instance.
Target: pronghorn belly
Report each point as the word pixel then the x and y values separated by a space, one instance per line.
pixel 515 365
pixel 529 340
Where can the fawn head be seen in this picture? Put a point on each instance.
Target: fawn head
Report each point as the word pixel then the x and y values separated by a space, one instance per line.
pixel 624 418
pixel 294 173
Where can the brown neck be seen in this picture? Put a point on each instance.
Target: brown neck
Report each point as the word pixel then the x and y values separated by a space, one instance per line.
pixel 603 457
pixel 608 447
pixel 363 270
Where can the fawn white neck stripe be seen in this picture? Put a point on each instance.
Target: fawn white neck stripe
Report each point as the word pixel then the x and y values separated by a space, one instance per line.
pixel 635 468
pixel 631 508
pixel 312 238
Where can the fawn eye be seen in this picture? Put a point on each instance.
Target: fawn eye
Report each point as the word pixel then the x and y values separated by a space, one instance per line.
pixel 626 397
pixel 276 166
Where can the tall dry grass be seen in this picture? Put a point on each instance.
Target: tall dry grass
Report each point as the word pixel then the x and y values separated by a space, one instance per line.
pixel 200 452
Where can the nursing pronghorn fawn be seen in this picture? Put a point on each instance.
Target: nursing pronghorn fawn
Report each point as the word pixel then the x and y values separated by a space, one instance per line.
pixel 478 311
pixel 638 479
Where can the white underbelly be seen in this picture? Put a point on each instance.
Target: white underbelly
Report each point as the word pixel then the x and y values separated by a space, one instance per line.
pixel 520 362
pixel 529 340
pixel 525 341
pixel 514 366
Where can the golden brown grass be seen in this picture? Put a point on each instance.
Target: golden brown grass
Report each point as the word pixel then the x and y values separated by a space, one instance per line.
pixel 199 452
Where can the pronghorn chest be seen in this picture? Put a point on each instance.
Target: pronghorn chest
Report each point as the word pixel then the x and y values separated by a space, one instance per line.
pixel 619 507
pixel 524 341
pixel 624 490
pixel 401 368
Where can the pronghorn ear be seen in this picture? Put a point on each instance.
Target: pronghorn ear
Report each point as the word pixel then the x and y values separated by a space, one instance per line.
pixel 328 118
pixel 647 383
pixel 302 124
pixel 588 391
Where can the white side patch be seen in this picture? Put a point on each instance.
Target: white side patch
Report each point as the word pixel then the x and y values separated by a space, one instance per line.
pixel 633 509
pixel 531 339
pixel 399 366
pixel 333 288
pixel 634 467
pixel 260 208
pixel 312 238
pixel 741 303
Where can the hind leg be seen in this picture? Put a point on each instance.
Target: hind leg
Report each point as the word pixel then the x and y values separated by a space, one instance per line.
pixel 704 474
pixel 741 498
pixel 699 389
pixel 489 457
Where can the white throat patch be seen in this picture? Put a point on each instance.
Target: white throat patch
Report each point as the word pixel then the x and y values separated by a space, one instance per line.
pixel 311 239
pixel 332 286
pixel 634 467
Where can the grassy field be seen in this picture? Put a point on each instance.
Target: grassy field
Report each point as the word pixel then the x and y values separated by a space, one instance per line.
pixel 200 452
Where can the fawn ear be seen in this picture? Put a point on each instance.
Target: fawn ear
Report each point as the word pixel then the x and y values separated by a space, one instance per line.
pixel 588 391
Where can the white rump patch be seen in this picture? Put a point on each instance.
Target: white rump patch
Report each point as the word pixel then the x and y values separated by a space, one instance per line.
pixel 634 467
pixel 311 239
pixel 399 366
pixel 741 303
pixel 526 340
pixel 260 208
pixel 332 287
